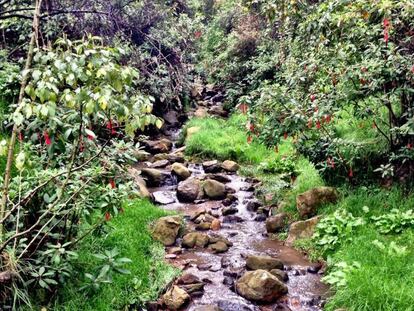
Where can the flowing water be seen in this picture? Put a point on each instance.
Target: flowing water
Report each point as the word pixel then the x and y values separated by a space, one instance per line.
pixel 306 292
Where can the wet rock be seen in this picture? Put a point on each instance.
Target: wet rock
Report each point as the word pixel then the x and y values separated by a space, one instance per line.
pixel 232 219
pixel 176 157
pixel 163 197
pixel 253 205
pixel 141 155
pixel 155 177
pixel 211 166
pixel 214 189
pixel 218 111
pixel 188 190
pixel 233 273
pixel 302 230
pixel 314 268
pixel 170 256
pixel 192 288
pixel 197 294
pixel 280 274
pixel 175 298
pixel 260 286
pixel 219 177
pixel 175 250
pixel 228 281
pixel 216 225
pixel 195 239
pixel 171 119
pixel 191 131
pixel 229 200
pixel 158 146
pixel 214 238
pixel 229 210
pixel 219 247
pixel 260 218
pixel 197 213
pixel 230 166
pixel 204 266
pixel 166 229
pixel 181 171
pixel 227 305
pixel 276 223
pixel 248 188
pixel 308 202
pixel 282 307
pixel 160 164
pixel 203 226
pixel 263 262
pixel 207 308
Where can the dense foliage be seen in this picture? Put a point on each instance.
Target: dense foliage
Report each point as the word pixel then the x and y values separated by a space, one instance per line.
pixel 337 76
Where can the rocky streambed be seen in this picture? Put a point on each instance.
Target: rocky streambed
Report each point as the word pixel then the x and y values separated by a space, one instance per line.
pixel 221 239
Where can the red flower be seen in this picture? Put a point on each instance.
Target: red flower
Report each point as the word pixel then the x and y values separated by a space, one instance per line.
pixel 285 136
pixel 251 127
pixel 328 118
pixel 318 124
pixel 81 146
pixel 249 139
pixel 20 136
pixel 47 138
pixel 198 34
pixel 112 183
pixel 351 173
pixel 107 216
pixel 386 23
pixel 316 109
pixel 386 36
pixel 313 97
pixel 409 146
pixel 243 108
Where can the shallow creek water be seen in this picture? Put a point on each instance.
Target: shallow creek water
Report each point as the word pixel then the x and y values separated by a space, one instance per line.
pixel 306 292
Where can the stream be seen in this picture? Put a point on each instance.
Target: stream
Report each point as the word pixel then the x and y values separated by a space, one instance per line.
pixel 247 233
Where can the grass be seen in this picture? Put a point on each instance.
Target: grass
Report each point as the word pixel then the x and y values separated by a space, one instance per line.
pixel 385 279
pixel 226 139
pixel 149 273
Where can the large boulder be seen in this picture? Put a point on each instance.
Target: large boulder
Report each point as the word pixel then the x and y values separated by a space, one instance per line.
pixel 308 202
pixel 175 298
pixel 163 197
pixel 230 166
pixel 166 229
pixel 263 263
pixel 158 146
pixel 260 286
pixel 276 223
pixel 188 190
pixel 155 177
pixel 214 190
pixel 195 239
pixel 302 230
pixel 181 171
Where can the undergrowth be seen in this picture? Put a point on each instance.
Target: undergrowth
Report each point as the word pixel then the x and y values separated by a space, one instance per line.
pixel 129 234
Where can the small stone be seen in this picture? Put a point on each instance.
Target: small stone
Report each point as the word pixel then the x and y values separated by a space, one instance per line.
pixel 160 164
pixel 204 266
pixel 230 166
pixel 171 256
pixel 260 218
pixel 263 263
pixel 228 281
pixel 181 171
pixel 175 298
pixel 216 225
pixel 229 210
pixel 195 239
pixel 204 226
pixel 219 247
pixel 276 223
pixel 163 197
pixel 280 274
pixel 175 250
pixel 232 219
pixel 211 166
pixel 253 205
pixel 315 268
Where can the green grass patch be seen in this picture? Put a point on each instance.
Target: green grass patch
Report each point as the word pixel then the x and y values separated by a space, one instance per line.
pixel 384 275
pixel 131 236
pixel 227 139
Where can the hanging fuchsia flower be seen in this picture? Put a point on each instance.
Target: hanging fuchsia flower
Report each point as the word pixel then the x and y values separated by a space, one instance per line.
pixel 112 183
pixel 107 216
pixel 328 118
pixel 47 138
pixel 198 34
pixel 313 97
pixel 386 24
pixel 409 146
pixel 249 139
pixel 285 136
pixel 318 124
pixel 251 127
pixel 351 173
pixel 20 136
pixel 243 108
